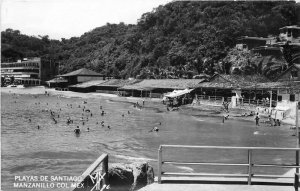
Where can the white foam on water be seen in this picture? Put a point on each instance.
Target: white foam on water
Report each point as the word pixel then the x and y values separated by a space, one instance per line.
pixel 133 158
pixel 185 168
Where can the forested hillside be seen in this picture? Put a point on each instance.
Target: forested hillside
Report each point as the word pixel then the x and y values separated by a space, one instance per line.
pixel 178 40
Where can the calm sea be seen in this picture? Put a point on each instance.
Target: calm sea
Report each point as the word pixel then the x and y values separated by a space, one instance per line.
pixel 54 150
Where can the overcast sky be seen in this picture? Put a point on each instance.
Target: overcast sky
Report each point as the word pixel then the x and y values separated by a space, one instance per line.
pixel 68 18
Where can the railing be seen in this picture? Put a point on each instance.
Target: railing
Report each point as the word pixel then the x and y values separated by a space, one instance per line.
pixel 96 176
pixel 249 165
pixel 214 98
pixel 264 103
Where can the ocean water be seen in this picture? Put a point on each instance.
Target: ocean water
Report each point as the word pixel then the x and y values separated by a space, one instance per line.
pixel 54 150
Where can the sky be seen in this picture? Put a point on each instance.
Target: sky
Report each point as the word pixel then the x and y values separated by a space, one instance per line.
pixel 70 18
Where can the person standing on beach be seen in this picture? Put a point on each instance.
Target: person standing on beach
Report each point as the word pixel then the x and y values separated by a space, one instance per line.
pixel 77 130
pixel 257 120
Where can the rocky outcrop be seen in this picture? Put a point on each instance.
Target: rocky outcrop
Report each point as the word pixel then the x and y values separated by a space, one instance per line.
pixel 130 177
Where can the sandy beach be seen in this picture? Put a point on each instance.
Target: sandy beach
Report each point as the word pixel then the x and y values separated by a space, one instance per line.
pixel 203 109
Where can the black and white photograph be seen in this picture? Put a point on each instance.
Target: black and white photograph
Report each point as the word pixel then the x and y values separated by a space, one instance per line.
pixel 150 95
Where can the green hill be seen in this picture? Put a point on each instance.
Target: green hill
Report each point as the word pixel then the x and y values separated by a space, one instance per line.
pixel 178 40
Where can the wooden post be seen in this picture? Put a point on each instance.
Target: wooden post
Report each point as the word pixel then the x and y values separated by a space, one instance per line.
pixel 271 99
pixel 159 164
pixel 249 166
pixel 105 170
pixel 298 137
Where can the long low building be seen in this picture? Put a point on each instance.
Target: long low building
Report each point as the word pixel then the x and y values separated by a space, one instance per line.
pixel 158 87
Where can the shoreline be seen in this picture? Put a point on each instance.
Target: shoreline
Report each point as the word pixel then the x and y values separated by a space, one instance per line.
pixel 200 110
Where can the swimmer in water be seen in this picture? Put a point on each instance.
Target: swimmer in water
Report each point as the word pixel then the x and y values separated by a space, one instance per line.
pixel 128 112
pixel 108 127
pixel 77 130
pixel 38 127
pixel 88 129
pixel 154 129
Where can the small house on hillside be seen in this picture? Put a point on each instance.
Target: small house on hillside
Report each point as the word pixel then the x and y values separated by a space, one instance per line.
pixel 290 34
pixel 277 52
pixel 249 43
pixel 82 75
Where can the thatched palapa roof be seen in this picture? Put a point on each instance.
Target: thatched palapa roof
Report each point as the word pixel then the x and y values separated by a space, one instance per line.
pixel 222 81
pixel 88 84
pixel 164 83
pixel 118 82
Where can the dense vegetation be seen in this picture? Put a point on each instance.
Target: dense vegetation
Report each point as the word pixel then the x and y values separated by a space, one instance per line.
pixel 178 40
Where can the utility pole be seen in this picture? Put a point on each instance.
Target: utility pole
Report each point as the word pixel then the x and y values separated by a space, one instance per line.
pixel 297 152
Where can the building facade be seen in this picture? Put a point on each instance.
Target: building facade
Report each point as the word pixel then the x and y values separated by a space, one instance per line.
pixel 290 34
pixel 31 72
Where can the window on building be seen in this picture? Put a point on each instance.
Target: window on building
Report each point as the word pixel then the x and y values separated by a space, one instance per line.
pixel 292 97
pixel 294 74
pixel 289 33
pixel 296 33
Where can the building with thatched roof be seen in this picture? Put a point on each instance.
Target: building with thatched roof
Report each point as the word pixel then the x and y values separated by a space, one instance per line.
pixel 227 85
pixel 89 86
pixel 57 82
pixel 82 75
pixel 157 87
pixel 112 86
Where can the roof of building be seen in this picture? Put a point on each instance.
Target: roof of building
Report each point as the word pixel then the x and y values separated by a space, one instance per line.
pixel 57 80
pixel 253 38
pixel 232 81
pixel 88 84
pixel 119 82
pixel 267 48
pixel 290 27
pixel 274 85
pixel 164 83
pixel 81 72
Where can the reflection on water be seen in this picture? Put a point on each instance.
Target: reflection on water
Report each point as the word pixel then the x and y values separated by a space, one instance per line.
pixel 54 149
